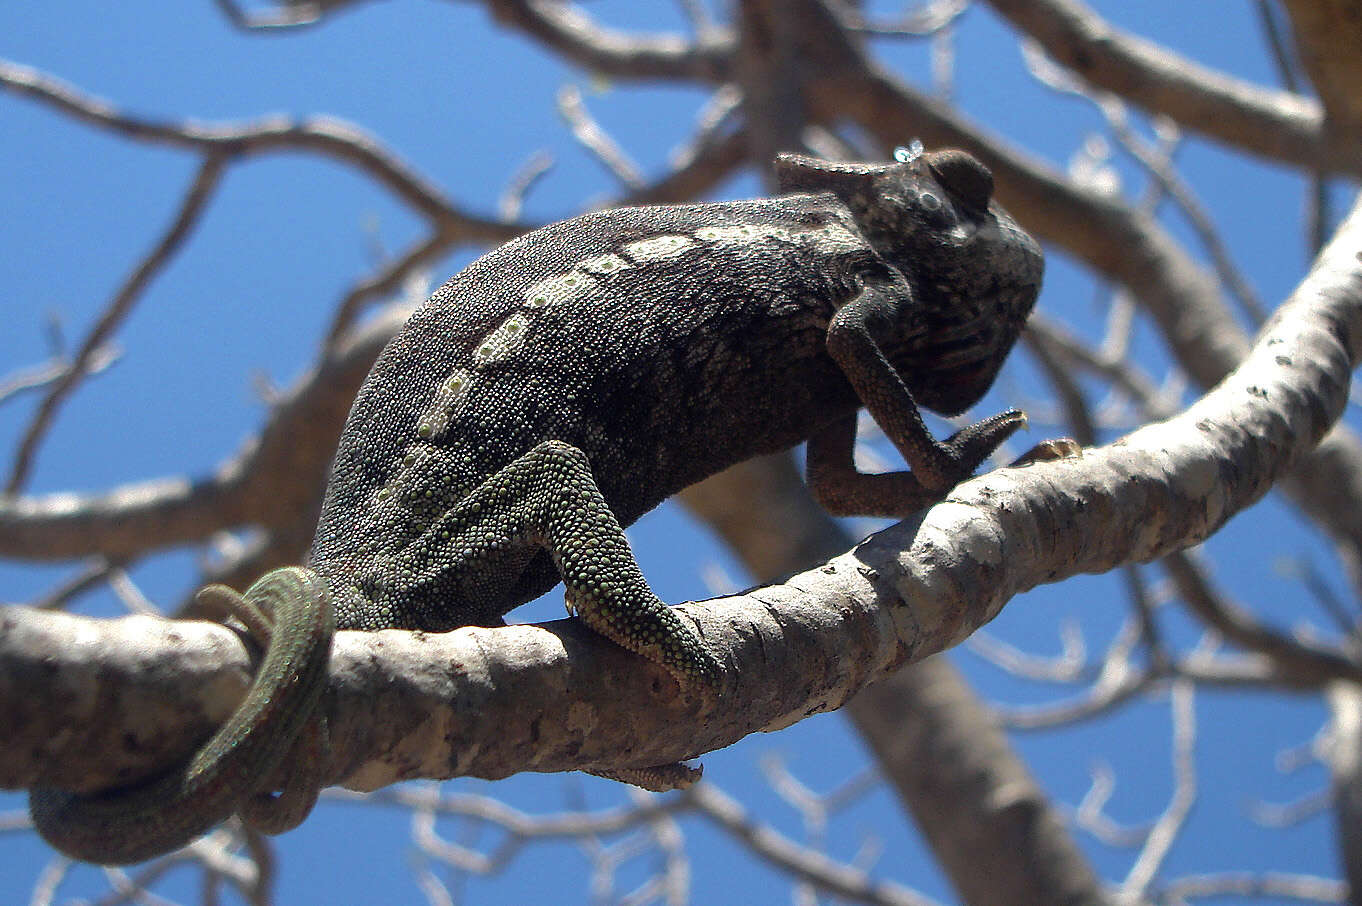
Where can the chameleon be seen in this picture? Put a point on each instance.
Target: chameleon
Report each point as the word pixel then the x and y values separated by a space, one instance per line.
pixel 564 384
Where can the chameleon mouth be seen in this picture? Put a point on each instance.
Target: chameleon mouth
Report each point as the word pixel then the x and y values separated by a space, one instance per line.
pixel 969 373
pixel 962 348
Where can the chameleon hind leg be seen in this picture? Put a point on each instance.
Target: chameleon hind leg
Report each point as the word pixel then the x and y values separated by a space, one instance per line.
pixel 548 497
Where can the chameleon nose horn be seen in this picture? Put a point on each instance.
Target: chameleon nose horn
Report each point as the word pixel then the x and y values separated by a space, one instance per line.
pixel 964 177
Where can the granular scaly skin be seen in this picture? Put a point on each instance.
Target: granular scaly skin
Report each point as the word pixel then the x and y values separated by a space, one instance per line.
pixel 566 383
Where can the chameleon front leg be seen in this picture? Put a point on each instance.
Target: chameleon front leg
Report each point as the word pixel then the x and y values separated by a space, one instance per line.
pixel 549 497
pixel 855 337
pixel 842 490
pixel 125 826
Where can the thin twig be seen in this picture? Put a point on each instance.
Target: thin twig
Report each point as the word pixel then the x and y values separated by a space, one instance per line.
pixel 1300 662
pixel 1091 812
pixel 94 573
pixel 1317 213
pixel 1160 168
pixel 191 208
pixel 1305 888
pixel 530 173
pixel 388 280
pixel 1144 610
pixel 53 370
pixel 922 22
pixel 1165 831
pixel 294 15
pixel 592 136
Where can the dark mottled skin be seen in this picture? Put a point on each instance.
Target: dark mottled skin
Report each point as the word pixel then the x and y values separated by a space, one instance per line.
pixel 668 371
pixel 606 375
pixel 491 453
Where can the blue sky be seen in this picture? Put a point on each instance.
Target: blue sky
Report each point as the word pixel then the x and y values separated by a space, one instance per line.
pixel 465 104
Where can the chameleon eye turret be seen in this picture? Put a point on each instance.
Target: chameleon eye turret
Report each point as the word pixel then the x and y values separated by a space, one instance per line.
pixel 963 176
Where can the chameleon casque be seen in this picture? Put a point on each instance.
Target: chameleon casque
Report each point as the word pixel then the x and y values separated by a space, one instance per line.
pixel 566 383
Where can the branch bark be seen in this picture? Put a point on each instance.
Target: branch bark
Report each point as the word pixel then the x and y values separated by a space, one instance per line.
pixel 1328 35
pixel 764 512
pixel 1274 124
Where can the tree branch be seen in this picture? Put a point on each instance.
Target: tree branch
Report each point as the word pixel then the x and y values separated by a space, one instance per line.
pixel 332 138
pixel 1328 35
pixel 277 475
pixel 1275 124
pixel 566 28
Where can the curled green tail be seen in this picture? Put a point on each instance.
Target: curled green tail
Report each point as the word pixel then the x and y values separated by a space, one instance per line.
pixel 290 612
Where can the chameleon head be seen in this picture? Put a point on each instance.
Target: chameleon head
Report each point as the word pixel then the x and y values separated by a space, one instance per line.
pixel 974 273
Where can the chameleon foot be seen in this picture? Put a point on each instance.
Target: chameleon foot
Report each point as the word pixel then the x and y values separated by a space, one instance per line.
pixel 661 778
pixel 1050 450
pixel 634 618
pixel 971 445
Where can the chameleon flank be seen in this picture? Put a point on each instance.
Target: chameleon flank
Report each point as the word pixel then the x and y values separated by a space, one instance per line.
pixel 566 383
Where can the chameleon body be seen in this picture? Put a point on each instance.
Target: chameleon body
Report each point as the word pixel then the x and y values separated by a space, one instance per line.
pixel 566 383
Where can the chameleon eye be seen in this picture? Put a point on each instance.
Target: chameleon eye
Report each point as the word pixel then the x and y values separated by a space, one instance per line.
pixel 929 201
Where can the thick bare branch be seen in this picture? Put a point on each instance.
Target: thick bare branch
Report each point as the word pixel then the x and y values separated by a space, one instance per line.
pixel 978 797
pixel 1345 766
pixel 567 29
pixel 1328 36
pixel 1274 124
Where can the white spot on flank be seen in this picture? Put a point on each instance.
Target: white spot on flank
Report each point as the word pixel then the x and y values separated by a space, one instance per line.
pixel 658 248
pixel 837 237
pixel 743 234
pixel 503 341
pixel 435 419
pixel 561 287
pixel 735 234
pixel 604 264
